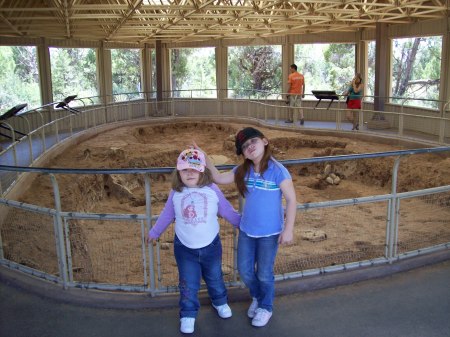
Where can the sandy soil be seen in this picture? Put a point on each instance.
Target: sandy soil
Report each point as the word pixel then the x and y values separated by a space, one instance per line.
pixel 336 236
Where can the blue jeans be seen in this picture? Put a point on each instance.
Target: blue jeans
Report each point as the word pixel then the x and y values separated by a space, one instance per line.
pixel 256 258
pixel 193 264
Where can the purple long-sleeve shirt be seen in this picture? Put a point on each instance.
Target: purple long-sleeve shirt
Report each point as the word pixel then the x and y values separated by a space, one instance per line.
pixel 195 211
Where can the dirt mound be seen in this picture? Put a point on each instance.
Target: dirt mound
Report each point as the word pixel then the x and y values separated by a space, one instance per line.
pixel 158 145
pixel 150 134
pixel 286 143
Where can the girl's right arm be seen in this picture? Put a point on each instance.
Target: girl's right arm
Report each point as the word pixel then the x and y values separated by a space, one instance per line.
pixel 164 220
pixel 218 177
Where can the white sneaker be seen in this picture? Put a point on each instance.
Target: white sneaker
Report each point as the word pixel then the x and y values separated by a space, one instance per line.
pixel 187 324
pixel 223 310
pixel 252 308
pixel 261 318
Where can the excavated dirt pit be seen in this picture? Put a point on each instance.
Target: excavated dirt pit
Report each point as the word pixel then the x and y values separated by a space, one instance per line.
pixel 111 251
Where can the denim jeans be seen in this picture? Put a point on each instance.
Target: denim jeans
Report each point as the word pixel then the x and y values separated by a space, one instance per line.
pixel 256 258
pixel 193 264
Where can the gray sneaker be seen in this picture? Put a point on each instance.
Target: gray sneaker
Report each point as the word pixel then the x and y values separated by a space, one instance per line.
pixel 187 324
pixel 224 311
pixel 261 318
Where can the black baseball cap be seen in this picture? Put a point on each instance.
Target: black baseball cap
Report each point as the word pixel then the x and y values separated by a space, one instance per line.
pixel 244 135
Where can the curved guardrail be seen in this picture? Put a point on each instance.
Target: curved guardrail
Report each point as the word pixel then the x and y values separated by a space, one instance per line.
pixel 78 259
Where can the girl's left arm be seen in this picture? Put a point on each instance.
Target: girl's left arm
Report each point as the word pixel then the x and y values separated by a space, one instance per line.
pixel 287 235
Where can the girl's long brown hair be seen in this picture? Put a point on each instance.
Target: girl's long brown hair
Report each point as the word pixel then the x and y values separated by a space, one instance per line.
pixel 243 170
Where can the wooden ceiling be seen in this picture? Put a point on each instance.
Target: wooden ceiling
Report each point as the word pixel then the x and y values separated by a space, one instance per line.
pixel 173 21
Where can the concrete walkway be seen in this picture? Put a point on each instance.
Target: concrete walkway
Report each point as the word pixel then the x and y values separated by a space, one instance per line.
pixel 404 299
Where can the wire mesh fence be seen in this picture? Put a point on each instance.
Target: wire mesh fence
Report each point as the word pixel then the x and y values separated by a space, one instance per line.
pixel 28 238
pixel 424 221
pixel 104 250
pixel 335 235
pixel 166 264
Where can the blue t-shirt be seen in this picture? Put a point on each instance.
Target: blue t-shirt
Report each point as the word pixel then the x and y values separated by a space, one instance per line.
pixel 352 94
pixel 263 213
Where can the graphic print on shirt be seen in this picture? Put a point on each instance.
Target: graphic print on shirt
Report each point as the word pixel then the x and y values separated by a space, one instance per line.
pixel 189 212
pixel 194 206
pixel 262 184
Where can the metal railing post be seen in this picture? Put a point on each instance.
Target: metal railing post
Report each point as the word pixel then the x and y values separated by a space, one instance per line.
pixel 30 143
pixel 68 250
pixel 392 232
pixel 148 225
pixel 59 233
pixel 56 128
pixel 13 141
pixel 71 125
pixel 401 118
pixel 442 124
pixel 44 146
pixel 235 243
pixel 338 116
pixel 361 114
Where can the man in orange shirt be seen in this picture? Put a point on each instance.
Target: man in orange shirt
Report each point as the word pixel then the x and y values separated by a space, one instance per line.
pixel 296 92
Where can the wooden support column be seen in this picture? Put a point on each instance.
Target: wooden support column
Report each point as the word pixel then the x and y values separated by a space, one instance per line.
pixel 45 78
pixel 287 54
pixel 361 60
pixel 382 66
pixel 104 74
pixel 146 75
pixel 221 71
pixel 444 94
pixel 159 71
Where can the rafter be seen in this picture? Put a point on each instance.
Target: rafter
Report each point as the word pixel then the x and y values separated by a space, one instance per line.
pixel 145 21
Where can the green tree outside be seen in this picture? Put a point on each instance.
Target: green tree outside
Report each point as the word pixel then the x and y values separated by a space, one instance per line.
pixel 370 80
pixel 325 66
pixel 416 70
pixel 126 73
pixel 73 72
pixel 193 72
pixel 19 78
pixel 254 71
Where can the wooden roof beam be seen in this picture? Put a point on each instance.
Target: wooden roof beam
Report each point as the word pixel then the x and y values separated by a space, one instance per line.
pixel 130 13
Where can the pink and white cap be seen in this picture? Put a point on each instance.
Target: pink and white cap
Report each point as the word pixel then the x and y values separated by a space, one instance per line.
pixel 191 159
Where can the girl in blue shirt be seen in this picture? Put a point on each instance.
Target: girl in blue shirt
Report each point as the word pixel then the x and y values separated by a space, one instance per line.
pixel 262 181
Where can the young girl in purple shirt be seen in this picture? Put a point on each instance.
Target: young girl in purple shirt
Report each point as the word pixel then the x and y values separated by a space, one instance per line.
pixel 195 203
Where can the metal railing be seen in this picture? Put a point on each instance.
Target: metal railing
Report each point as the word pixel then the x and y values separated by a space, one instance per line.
pixel 76 255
